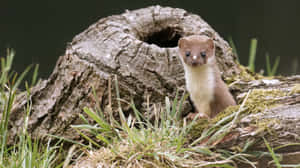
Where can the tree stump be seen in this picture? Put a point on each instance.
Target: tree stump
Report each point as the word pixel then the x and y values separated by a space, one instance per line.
pixel 140 48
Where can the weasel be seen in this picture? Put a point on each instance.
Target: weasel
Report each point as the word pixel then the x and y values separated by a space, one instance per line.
pixel 208 92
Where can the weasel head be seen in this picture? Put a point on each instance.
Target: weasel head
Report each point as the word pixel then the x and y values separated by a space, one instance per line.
pixel 196 50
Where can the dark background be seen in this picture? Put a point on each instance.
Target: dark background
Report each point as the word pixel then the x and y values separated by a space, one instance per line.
pixel 40 29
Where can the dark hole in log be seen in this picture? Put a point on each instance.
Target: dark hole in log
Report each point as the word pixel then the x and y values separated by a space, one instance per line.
pixel 166 38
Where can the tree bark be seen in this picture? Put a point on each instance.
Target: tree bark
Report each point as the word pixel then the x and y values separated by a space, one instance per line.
pixel 278 124
pixel 140 48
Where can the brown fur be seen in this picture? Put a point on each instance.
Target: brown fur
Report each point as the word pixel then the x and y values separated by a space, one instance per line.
pixel 219 97
pixel 222 98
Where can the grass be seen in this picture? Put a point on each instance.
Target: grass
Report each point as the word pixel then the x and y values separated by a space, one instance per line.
pixel 165 141
pixel 135 141
pixel 274 157
pixel 270 69
pixel 252 54
pixel 25 152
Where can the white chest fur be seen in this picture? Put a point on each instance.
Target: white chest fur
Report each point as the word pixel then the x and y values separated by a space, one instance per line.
pixel 200 83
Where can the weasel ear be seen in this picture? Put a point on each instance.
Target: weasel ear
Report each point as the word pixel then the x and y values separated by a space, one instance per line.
pixel 211 44
pixel 182 42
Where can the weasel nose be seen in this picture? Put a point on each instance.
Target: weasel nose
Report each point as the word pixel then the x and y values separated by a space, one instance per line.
pixel 194 57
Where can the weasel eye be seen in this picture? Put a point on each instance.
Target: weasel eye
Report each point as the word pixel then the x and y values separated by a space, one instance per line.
pixel 203 54
pixel 187 53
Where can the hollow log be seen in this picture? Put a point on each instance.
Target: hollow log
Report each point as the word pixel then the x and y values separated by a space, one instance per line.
pixel 139 47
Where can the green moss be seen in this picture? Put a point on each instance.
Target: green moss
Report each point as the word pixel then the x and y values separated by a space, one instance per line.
pixel 260 99
pixel 203 123
pixel 265 124
pixel 244 75
pixel 198 127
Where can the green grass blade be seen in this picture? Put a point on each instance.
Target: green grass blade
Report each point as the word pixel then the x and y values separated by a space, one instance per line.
pixel 252 54
pixel 83 119
pixel 291 165
pixel 21 77
pixel 138 116
pixel 96 118
pixel 286 145
pixel 182 100
pixel 248 144
pixel 103 139
pixel 232 45
pixel 86 126
pixel 35 74
pixel 87 138
pixel 168 106
pixel 276 160
pixel 10 57
pixel 98 107
pixel 268 64
pixel 68 140
pixel 275 66
pixel 122 116
pixel 174 105
pixel 203 150
pixel 271 70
